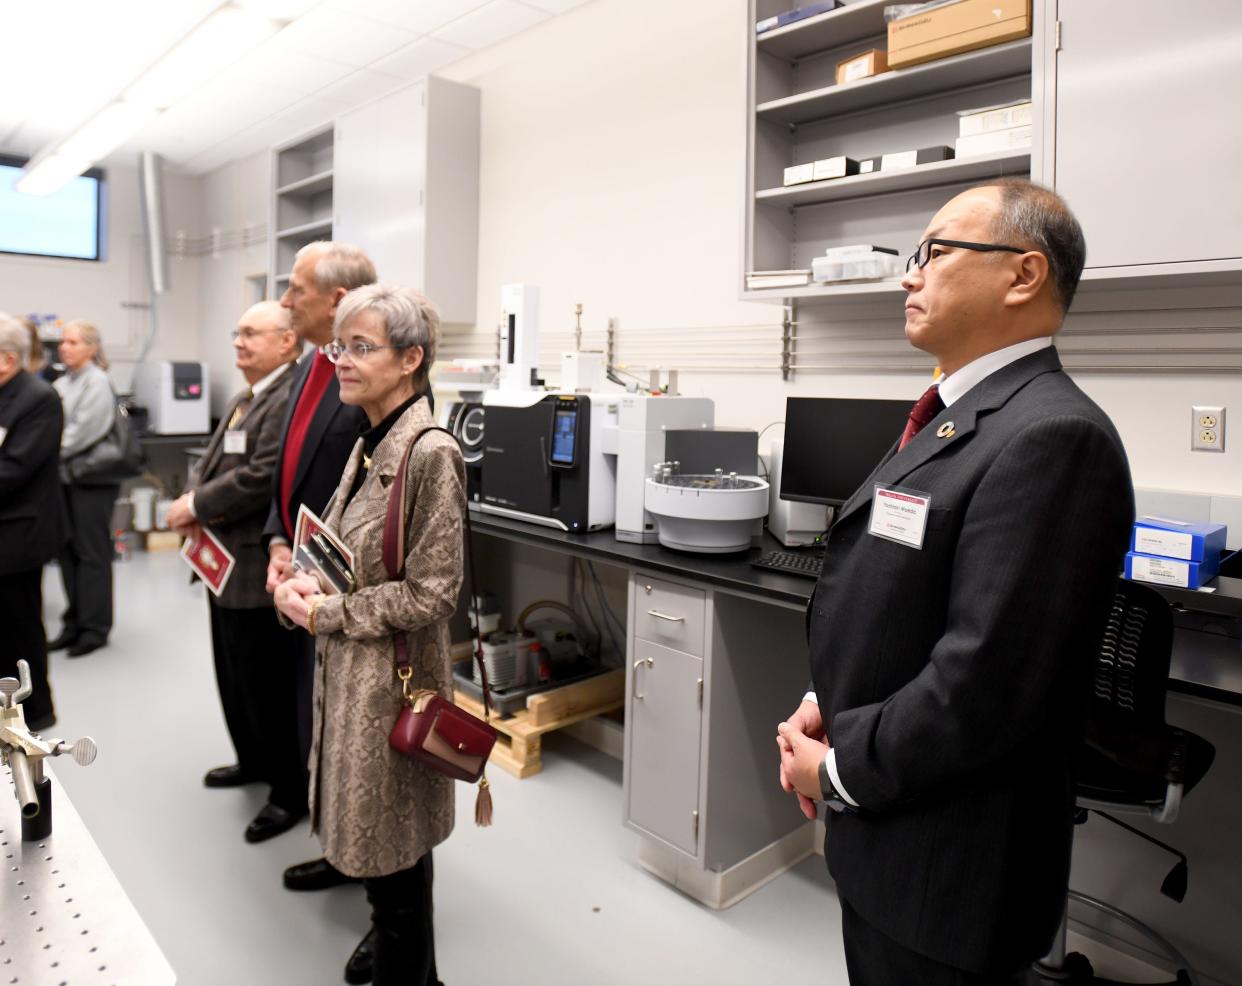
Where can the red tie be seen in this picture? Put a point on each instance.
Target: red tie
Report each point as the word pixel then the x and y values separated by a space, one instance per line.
pixel 927 407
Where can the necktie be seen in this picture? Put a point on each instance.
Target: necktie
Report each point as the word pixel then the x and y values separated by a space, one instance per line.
pixel 240 411
pixel 926 408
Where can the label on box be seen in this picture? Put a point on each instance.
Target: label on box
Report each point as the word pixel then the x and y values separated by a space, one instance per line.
pixel 799 173
pixel 1003 118
pixel 901 159
pixel 1170 544
pixel 1160 570
pixel 832 167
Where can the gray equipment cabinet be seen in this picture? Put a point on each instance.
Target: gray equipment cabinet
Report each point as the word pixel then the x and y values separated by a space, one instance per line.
pixel 709 676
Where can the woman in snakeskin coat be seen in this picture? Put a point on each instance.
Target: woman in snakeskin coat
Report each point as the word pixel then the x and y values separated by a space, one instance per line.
pixel 378 814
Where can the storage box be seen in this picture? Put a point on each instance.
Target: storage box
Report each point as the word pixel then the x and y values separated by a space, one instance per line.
pixel 861 266
pixel 835 167
pixel 1014 139
pixel 799 173
pixel 797 14
pixel 957 27
pixel 1171 538
pixel 862 66
pixel 988 119
pixel 1170 571
pixel 909 159
pixel 868 165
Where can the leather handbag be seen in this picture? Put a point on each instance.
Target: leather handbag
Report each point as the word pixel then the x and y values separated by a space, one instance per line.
pixel 429 728
pixel 115 457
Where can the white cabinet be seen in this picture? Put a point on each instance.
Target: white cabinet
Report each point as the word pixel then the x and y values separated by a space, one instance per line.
pixel 407 190
pixel 1147 140
pixel 302 182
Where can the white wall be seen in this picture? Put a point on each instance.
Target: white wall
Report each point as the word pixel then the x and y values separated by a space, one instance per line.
pixel 102 292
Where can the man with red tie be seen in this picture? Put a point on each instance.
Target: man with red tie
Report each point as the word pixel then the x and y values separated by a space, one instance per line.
pixel 318 434
pixel 953 630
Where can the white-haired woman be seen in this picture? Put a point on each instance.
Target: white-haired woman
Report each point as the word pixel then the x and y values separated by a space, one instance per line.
pixel 86 559
pixel 378 814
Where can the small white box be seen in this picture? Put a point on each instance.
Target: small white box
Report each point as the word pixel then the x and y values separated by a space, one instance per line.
pixel 899 159
pixel 799 173
pixel 992 118
pixel 1013 139
pixel 835 167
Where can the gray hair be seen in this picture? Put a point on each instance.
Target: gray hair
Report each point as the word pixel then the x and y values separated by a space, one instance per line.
pixel 410 319
pixel 14 338
pixel 341 265
pixel 1037 217
pixel 90 335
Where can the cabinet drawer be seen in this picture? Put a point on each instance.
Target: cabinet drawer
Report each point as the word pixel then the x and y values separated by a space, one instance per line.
pixel 669 614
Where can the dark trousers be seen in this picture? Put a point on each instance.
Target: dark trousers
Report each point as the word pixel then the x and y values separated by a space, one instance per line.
pixel 21 615
pixel 303 689
pixel 86 561
pixel 256 661
pixel 405 948
pixel 873 959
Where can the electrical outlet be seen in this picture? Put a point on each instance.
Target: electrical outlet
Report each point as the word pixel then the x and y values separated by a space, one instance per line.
pixel 1207 429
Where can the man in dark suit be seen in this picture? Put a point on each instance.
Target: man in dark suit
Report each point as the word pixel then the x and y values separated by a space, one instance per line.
pixel 31 524
pixel 317 436
pixel 954 627
pixel 230 493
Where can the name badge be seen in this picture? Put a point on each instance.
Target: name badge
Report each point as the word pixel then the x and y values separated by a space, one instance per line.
pixel 899 515
pixel 234 442
pixel 4 433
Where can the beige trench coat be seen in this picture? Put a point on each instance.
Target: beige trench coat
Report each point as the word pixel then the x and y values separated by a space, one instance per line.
pixel 375 811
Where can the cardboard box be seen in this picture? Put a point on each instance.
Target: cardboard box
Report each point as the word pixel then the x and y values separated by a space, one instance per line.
pixel 1169 571
pixel 1171 538
pixel 955 28
pixel 1016 138
pixel 862 66
pixel 835 167
pixel 799 173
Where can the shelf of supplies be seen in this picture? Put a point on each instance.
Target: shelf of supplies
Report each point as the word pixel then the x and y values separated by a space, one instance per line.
pixel 313 185
pixel 968 69
pixel 902 180
pixel 305 230
pixel 831 29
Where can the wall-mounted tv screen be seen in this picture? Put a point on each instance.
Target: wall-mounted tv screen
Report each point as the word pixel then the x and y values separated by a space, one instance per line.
pixel 67 223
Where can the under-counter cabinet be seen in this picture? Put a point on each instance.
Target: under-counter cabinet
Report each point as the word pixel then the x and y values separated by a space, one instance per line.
pixel 709 676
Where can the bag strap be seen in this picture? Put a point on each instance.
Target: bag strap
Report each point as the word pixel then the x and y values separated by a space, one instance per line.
pixel 394 565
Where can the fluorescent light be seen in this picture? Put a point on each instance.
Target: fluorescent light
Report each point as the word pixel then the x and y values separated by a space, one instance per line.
pixel 98 137
pixel 51 175
pixel 217 42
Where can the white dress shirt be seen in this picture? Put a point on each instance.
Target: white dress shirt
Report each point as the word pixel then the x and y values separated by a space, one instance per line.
pixel 952 388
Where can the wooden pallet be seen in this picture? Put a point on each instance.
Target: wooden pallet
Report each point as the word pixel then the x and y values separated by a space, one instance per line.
pixel 519 746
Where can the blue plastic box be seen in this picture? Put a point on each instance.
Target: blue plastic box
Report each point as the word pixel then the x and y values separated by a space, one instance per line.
pixel 1186 540
pixel 1170 571
pixel 797 14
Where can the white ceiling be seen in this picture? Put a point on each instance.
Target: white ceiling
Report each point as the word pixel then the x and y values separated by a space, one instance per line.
pixel 64 59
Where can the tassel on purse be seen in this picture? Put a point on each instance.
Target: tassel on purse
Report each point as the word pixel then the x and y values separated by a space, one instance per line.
pixel 429 728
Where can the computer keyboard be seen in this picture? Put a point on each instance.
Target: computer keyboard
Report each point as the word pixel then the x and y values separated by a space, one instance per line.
pixel 806 563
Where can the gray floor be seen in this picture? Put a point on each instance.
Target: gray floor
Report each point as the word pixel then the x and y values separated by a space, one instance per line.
pixel 552 894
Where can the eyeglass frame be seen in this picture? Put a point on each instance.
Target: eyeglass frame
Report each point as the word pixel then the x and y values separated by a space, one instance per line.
pixel 347 348
pixel 913 260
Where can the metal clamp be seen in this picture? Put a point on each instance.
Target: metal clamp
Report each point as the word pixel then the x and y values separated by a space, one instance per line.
pixel 664 616
pixel 650 662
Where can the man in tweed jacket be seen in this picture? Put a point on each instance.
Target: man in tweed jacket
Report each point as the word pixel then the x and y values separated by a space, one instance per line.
pixel 230 493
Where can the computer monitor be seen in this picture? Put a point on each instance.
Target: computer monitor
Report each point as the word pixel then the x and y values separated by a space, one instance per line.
pixel 833 443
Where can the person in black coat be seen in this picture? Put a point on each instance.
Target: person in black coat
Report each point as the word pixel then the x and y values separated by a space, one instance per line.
pixel 953 630
pixel 31 523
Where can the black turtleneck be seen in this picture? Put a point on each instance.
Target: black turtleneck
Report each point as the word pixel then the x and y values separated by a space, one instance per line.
pixel 372 436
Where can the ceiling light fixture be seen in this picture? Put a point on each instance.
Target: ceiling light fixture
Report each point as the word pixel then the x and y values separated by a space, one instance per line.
pixel 231 31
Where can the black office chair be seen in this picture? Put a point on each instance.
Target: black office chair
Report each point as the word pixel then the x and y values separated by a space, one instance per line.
pixel 1134 761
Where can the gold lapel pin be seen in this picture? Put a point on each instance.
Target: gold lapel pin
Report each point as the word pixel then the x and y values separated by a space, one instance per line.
pixel 945 430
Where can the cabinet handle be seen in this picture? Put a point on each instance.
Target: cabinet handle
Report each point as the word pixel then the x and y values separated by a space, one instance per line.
pixel 664 616
pixel 649 661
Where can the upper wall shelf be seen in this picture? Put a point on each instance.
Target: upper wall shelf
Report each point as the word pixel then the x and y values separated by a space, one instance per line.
pixel 313 185
pixel 971 68
pixel 952 172
pixel 828 30
pixel 305 230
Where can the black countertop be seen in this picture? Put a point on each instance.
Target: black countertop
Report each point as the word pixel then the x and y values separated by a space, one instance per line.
pixel 1213 672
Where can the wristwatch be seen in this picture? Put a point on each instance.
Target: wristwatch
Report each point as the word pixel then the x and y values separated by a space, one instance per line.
pixel 831 798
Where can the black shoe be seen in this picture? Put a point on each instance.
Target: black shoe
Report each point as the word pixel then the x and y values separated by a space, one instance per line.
pixel 231 776
pixel 271 821
pixel 361 965
pixel 85 645
pixel 318 874
pixel 66 639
